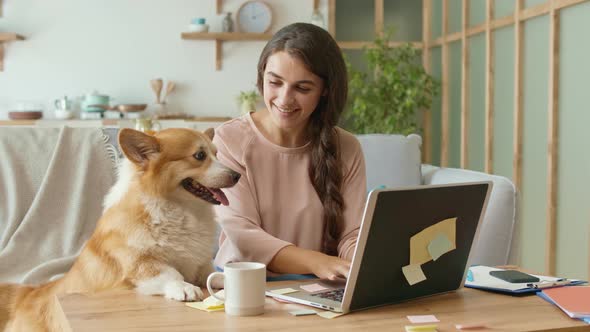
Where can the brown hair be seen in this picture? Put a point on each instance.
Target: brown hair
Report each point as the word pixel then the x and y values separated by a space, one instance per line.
pixel 322 56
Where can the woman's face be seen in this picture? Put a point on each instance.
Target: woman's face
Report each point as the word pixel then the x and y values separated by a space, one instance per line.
pixel 291 91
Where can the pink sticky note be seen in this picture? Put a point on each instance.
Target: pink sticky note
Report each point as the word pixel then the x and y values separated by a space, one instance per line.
pixel 423 319
pixel 313 288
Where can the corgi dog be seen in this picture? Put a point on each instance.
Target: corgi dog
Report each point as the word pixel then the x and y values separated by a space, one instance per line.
pixel 156 234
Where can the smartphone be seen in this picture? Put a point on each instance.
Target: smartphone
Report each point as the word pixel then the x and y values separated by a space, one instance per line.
pixel 513 276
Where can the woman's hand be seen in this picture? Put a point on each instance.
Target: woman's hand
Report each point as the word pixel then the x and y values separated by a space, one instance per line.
pixel 329 267
pixel 292 259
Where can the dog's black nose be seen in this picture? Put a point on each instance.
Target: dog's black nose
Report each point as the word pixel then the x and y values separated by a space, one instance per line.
pixel 236 176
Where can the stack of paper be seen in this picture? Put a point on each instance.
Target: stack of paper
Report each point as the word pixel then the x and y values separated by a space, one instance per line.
pixel 574 301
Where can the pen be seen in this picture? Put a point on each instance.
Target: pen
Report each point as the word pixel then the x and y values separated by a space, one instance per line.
pixel 549 284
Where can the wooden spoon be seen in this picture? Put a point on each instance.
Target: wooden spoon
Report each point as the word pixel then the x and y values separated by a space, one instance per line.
pixel 157 88
pixel 169 88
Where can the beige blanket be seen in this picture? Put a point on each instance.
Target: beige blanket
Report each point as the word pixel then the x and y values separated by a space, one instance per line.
pixel 52 184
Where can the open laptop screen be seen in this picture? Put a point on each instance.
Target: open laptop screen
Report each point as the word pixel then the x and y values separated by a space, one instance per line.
pixel 400 214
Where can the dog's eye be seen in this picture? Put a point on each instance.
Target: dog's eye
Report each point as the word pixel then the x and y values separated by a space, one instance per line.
pixel 201 155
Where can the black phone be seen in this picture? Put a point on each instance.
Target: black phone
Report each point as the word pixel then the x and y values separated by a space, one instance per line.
pixel 514 276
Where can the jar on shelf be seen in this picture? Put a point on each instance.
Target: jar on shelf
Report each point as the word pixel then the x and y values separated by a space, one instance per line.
pixel 198 25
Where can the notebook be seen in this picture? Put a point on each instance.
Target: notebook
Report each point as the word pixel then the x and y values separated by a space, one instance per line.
pixel 574 301
pixel 479 277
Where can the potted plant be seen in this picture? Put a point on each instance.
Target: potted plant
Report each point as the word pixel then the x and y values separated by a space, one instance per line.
pixel 248 100
pixel 388 98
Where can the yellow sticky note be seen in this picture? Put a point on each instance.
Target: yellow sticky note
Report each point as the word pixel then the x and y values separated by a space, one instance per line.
pixel 213 302
pixel 413 273
pixel 421 328
pixel 330 314
pixel 419 243
pixel 439 246
pixel 284 291
pixel 204 307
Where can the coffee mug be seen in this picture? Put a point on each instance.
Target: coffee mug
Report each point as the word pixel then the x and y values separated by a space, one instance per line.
pixel 245 286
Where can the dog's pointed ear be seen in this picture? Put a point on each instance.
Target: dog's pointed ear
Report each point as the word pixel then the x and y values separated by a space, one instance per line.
pixel 137 146
pixel 210 133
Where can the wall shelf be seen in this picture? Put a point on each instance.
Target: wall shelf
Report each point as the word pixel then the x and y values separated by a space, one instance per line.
pixel 220 37
pixel 6 37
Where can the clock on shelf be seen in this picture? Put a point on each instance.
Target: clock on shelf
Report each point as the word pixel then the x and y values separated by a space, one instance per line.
pixel 254 16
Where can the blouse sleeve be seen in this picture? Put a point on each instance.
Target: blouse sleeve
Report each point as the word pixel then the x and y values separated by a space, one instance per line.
pixel 354 192
pixel 240 220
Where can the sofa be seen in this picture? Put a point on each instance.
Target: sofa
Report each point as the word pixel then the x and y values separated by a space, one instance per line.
pixel 53 180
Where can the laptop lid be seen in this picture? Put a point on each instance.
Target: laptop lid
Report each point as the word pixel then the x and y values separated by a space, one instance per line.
pixel 391 218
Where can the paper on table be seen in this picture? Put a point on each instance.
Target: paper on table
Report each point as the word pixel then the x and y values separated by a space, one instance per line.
pixel 439 246
pixel 421 328
pixel 423 319
pixel 482 278
pixel 283 291
pixel 312 288
pixel 330 314
pixel 419 242
pixel 209 304
pixel 303 312
pixel 413 273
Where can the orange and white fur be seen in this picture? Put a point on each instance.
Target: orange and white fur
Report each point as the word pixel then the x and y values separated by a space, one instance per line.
pixel 156 235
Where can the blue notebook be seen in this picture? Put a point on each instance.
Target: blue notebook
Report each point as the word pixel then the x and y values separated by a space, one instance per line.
pixel 479 277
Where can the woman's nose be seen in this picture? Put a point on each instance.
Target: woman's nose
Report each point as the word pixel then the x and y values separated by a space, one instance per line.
pixel 286 97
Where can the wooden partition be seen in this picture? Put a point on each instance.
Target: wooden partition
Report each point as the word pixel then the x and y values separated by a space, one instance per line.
pixel 521 14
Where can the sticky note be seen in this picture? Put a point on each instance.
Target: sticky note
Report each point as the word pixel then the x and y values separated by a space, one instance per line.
pixel 421 328
pixel 213 302
pixel 419 242
pixel 204 307
pixel 330 314
pixel 284 291
pixel 423 319
pixel 312 288
pixel 413 273
pixel 303 312
pixel 439 246
pixel 475 326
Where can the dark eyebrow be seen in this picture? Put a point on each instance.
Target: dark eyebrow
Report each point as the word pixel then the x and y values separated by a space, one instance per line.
pixel 298 82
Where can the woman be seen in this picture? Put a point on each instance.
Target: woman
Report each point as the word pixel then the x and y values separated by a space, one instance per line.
pixel 298 205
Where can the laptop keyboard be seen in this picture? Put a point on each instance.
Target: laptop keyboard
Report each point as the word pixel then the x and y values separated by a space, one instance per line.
pixel 334 295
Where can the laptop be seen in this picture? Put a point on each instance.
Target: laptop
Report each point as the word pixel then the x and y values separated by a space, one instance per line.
pixel 391 217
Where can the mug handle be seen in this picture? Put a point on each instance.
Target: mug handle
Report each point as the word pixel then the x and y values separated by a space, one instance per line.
pixel 209 279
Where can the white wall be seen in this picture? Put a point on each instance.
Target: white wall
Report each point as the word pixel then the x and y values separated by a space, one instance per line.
pixel 117 46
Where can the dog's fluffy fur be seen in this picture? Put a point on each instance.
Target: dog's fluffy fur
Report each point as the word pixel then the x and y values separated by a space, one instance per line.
pixel 154 236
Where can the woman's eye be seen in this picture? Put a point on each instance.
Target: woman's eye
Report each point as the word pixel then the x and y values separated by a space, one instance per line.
pixel 201 155
pixel 275 83
pixel 304 89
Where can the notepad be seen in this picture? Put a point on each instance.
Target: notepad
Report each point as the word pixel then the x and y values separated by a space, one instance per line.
pixel 573 300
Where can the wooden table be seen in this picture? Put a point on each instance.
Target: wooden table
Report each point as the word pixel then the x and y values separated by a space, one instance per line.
pixel 127 311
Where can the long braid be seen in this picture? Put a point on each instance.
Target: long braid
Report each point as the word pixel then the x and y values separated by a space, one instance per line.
pixel 326 176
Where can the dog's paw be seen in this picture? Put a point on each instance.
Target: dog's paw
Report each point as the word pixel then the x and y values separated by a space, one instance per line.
pixel 182 291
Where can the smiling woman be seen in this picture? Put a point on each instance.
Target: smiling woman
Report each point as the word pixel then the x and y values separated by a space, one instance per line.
pixel 298 205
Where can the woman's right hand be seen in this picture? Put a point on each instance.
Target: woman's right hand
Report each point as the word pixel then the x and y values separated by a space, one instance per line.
pixel 292 259
pixel 328 267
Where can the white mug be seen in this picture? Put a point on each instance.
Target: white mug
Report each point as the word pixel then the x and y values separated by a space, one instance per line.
pixel 245 286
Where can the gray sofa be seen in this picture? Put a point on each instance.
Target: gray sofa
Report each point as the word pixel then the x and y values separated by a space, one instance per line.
pixel 53 180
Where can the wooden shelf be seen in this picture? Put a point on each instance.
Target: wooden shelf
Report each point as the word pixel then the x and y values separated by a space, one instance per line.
pixel 220 37
pixel 235 36
pixel 6 37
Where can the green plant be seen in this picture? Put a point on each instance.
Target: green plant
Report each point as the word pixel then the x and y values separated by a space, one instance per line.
pixel 248 100
pixel 388 98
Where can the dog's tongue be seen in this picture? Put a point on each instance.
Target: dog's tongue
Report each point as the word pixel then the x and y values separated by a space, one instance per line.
pixel 219 195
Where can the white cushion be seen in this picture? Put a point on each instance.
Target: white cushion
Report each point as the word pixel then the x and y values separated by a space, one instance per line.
pixel 391 160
